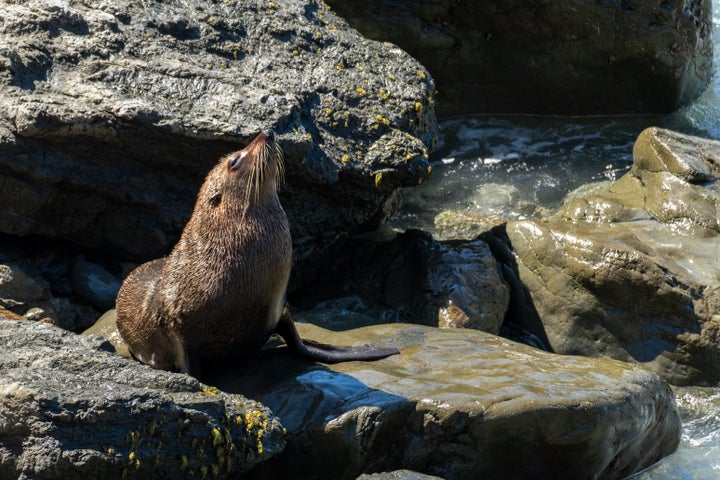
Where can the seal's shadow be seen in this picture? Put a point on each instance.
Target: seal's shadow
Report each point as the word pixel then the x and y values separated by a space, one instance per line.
pixel 301 392
pixel 322 410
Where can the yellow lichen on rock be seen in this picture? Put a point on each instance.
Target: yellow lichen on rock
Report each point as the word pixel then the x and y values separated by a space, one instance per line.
pixel 378 178
pixel 383 120
pixel 256 423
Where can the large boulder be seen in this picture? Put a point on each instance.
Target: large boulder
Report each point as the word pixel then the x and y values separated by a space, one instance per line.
pixel 550 56
pixel 115 111
pixel 630 269
pixel 458 404
pixel 71 408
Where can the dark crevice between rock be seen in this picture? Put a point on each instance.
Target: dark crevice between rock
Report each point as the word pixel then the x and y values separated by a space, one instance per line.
pixel 522 321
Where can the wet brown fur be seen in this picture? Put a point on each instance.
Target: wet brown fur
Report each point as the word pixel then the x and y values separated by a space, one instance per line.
pixel 222 289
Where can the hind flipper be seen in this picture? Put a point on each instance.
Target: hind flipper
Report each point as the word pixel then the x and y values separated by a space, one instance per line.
pixel 322 352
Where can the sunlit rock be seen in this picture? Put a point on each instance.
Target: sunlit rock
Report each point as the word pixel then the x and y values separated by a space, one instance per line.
pixel 458 404
pixel 114 112
pixel 631 270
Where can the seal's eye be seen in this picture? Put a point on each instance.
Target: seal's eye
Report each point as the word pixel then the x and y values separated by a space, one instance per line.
pixel 236 161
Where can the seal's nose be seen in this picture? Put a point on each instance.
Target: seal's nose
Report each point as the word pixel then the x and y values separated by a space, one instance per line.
pixel 269 135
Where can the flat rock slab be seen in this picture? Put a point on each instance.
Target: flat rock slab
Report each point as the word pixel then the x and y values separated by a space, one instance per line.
pixel 458 404
pixel 71 408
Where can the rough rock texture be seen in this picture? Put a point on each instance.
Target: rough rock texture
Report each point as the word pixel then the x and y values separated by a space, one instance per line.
pixel 397 475
pixel 631 270
pixel 458 404
pixel 69 408
pixel 415 279
pixel 113 112
pixel 550 56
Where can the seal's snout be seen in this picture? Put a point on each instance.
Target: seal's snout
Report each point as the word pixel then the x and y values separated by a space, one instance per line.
pixel 269 135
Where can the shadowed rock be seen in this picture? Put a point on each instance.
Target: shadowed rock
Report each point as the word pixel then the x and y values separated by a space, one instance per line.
pixel 412 278
pixel 456 404
pixel 550 56
pixel 459 404
pixel 397 475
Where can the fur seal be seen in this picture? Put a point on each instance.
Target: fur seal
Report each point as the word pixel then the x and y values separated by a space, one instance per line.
pixel 221 292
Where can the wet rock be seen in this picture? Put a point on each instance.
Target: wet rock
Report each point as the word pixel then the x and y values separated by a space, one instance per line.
pixel 70 408
pixel 673 179
pixel 601 290
pixel 458 404
pixel 463 224
pixel 631 270
pixel 453 284
pixel 699 452
pixel 117 111
pixel 552 56
pixel 94 284
pixel 471 287
pixel 106 327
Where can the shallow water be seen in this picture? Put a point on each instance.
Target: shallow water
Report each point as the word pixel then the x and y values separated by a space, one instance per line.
pixel 518 166
pixel 522 166
pixel 698 457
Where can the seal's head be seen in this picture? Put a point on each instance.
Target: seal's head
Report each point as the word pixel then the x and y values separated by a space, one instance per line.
pixel 241 181
pixel 256 169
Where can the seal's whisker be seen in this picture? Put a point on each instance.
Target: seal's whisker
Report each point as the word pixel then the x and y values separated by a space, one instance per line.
pixel 268 154
pixel 259 165
pixel 257 180
pixel 249 185
pixel 280 160
pixel 259 170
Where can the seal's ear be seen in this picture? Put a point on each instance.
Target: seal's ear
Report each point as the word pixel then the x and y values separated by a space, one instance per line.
pixel 216 199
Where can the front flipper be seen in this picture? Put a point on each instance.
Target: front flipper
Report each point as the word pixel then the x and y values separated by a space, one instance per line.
pixel 326 353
